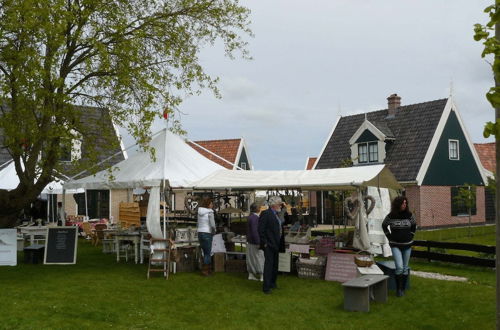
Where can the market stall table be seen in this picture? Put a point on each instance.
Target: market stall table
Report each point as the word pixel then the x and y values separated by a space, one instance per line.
pixel 134 237
pixel 34 231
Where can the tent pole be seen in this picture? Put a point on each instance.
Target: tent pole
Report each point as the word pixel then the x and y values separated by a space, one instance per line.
pixel 164 186
pixel 86 207
pixel 64 205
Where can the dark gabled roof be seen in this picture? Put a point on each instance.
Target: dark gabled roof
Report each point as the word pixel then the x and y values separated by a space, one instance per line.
pixel 97 128
pixel 384 128
pixel 413 128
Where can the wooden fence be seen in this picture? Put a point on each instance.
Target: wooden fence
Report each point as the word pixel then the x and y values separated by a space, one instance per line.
pixel 466 260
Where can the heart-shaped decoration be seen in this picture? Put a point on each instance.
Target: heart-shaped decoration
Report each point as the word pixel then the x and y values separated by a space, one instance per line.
pixel 369 209
pixel 351 206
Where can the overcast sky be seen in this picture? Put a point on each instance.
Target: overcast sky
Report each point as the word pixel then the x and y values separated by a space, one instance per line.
pixel 315 60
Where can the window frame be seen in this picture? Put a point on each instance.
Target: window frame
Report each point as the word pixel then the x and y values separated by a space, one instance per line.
pixel 364 144
pixel 458 210
pixel 368 154
pixel 450 143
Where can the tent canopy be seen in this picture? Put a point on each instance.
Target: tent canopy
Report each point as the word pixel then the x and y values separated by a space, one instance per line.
pixel 326 179
pixel 9 181
pixel 175 161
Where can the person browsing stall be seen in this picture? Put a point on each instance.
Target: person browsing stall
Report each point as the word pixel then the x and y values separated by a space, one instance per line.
pixel 255 256
pixel 206 230
pixel 269 234
pixel 399 227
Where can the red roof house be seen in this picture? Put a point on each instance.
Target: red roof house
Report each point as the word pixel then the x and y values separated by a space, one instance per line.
pixel 230 153
pixel 486 152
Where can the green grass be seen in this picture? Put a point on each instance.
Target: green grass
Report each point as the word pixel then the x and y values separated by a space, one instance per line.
pixel 484 235
pixel 98 293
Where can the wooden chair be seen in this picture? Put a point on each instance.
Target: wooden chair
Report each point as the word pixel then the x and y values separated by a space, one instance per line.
pixel 98 233
pixel 87 229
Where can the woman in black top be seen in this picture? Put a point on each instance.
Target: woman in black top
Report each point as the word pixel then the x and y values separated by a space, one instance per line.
pixel 399 226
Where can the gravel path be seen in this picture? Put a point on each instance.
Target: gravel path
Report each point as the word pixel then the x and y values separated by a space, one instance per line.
pixel 438 276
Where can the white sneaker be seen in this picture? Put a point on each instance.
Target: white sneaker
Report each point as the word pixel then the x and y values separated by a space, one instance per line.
pixel 252 277
pixel 262 277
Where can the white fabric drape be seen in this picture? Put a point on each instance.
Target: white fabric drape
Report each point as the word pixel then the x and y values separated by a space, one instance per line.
pixel 153 217
pixel 361 240
pixel 378 241
pixel 153 222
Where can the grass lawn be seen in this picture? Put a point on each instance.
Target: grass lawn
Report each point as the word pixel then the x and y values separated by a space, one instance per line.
pixel 484 235
pixel 98 293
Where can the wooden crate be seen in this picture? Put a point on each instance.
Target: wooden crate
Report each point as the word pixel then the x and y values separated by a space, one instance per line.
pixel 219 259
pixel 186 259
pixel 129 214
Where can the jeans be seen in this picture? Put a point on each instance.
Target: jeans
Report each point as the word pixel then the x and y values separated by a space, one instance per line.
pixel 401 257
pixel 205 240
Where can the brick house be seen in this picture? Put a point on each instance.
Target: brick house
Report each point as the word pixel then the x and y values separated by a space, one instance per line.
pixel 234 152
pixel 487 155
pixel 425 145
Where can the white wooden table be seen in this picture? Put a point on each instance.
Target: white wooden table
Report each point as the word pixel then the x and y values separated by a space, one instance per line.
pixel 32 231
pixel 135 238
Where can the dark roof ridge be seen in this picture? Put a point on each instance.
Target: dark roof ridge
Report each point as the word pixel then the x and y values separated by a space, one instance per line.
pixel 403 106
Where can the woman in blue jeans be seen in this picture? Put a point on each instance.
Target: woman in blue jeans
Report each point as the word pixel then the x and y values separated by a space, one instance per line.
pixel 206 229
pixel 399 226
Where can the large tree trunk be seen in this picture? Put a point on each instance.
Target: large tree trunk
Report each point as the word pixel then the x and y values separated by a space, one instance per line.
pixel 14 201
pixel 497 188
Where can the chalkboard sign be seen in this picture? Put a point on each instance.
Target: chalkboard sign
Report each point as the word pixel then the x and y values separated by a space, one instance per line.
pixel 60 246
pixel 340 267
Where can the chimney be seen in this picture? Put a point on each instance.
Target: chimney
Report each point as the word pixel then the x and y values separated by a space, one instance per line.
pixel 393 103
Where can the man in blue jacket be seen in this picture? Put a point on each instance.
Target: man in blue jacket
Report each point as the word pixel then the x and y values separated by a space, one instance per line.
pixel 270 233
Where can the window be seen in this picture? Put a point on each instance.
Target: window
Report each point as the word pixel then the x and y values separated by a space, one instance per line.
pixel 70 150
pixel 362 152
pixel 458 206
pixel 368 152
pixel 65 150
pixel 373 151
pixel 453 150
pixel 243 166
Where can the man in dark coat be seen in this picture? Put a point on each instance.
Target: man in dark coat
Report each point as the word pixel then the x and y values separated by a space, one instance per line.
pixel 270 233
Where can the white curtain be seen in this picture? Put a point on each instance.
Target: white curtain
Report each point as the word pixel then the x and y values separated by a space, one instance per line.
pixel 153 217
pixel 379 243
pixel 153 221
pixel 361 240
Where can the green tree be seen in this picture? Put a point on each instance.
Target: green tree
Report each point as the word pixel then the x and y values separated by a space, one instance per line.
pixel 467 197
pixel 135 58
pixel 489 35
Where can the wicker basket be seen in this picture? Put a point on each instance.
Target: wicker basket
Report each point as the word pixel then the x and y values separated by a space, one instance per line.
pixel 310 270
pixel 363 260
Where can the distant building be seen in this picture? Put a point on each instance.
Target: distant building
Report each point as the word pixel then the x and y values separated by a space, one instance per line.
pixel 234 152
pixel 487 154
pixel 425 145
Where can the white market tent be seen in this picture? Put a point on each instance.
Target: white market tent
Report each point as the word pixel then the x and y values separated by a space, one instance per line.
pixel 325 179
pixel 176 162
pixel 9 181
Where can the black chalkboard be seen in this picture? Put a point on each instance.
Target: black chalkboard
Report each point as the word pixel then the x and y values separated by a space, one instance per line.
pixel 60 246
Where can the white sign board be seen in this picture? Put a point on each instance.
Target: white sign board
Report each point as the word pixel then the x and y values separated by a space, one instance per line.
pixel 285 262
pixel 8 247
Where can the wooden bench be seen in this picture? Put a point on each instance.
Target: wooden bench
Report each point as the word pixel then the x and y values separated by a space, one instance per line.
pixel 359 291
